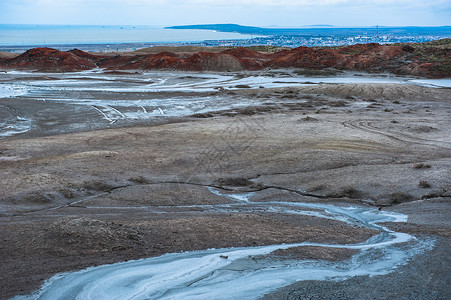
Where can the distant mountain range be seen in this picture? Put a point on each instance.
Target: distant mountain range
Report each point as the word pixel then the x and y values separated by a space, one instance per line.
pixel 317 30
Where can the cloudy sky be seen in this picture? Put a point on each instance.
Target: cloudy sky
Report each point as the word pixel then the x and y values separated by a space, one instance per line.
pixel 246 12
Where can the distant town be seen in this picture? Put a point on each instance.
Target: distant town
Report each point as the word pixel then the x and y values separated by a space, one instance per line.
pixel 293 41
pixel 322 36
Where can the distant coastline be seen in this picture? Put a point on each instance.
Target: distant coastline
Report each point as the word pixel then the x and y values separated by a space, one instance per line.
pixel 51 35
pixel 318 29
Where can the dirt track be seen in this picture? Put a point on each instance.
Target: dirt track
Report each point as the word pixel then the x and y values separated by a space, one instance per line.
pixel 92 197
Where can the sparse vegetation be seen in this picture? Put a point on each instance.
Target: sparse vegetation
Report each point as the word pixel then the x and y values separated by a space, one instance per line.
pixel 242 86
pixel 39 198
pixel 67 193
pixel 345 192
pixel 97 186
pixel 203 115
pixel 424 184
pixel 139 179
pixel 309 119
pixel 430 196
pixel 400 197
pixel 234 181
pixel 340 103
pixel 421 166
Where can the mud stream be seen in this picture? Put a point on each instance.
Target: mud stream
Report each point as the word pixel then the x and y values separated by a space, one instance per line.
pixel 242 273
pixel 93 96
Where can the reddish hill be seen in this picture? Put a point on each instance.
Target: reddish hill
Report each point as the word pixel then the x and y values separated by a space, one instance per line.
pixel 201 61
pixel 246 53
pixel 308 58
pixel 163 60
pixel 207 61
pixel 427 60
pixel 85 55
pixel 47 59
pixel 373 57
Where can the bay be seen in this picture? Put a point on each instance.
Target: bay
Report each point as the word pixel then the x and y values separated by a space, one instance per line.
pixel 32 35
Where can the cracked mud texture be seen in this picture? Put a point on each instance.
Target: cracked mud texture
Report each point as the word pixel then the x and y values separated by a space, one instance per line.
pixel 83 198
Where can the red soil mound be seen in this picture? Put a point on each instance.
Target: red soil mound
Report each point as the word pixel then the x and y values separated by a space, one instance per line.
pixel 304 57
pixel 424 60
pixel 47 59
pixel 207 61
pixel 163 60
pixel 85 55
pixel 244 53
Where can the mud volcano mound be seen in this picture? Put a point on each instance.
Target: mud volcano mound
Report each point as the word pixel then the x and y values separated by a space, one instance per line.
pixel 48 60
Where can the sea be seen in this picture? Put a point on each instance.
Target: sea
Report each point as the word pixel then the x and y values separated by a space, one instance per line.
pixel 50 35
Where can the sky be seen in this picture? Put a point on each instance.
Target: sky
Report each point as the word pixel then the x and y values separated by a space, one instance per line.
pixel 282 13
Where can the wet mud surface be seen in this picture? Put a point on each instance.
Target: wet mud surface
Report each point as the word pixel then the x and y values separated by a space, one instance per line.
pixel 101 177
pixel 425 277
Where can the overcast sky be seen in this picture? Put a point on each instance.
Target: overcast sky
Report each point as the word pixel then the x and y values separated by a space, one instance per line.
pixel 245 12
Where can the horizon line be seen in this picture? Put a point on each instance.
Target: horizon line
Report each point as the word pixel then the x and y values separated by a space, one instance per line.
pixel 312 26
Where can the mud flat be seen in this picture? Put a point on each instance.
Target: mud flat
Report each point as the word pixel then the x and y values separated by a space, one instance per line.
pixel 104 176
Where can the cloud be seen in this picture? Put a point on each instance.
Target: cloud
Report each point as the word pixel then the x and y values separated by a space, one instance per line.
pixel 272 2
pixel 246 12
pixel 229 3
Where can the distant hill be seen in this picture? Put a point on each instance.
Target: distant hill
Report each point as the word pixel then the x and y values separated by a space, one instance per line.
pixel 426 60
pixel 227 28
pixel 317 30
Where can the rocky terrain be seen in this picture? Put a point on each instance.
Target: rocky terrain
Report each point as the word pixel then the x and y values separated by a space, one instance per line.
pixel 427 60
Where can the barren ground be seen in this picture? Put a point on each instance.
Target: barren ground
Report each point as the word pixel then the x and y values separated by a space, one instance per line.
pixel 90 197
